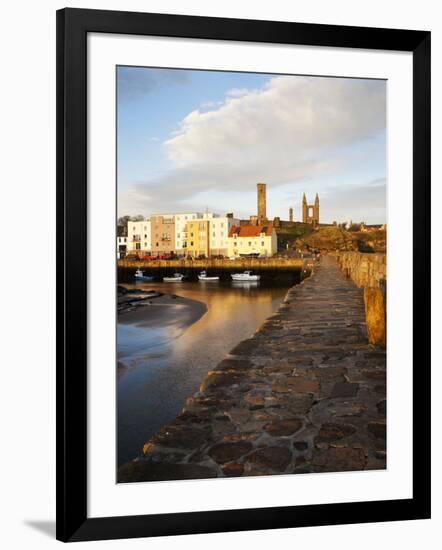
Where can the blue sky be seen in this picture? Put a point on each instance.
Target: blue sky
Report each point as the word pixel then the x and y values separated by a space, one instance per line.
pixel 190 140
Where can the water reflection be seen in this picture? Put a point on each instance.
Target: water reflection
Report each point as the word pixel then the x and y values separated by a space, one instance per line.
pixel 168 359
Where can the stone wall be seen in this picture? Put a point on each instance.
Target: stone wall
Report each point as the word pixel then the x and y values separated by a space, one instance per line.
pixel 369 271
pixel 291 264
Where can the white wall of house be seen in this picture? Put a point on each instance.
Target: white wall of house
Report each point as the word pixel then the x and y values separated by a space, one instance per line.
pixel 264 245
pixel 121 241
pixel 219 228
pixel 139 236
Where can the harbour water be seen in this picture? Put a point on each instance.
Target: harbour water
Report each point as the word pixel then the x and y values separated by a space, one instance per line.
pixel 168 348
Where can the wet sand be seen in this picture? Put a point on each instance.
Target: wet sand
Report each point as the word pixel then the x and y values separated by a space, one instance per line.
pixel 162 310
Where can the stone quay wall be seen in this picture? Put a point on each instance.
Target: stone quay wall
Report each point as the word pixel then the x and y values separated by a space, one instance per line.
pixel 369 271
pixel 306 393
pixel 257 264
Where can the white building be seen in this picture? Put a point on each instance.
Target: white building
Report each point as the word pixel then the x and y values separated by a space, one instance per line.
pixel 139 237
pixel 252 239
pixel 121 246
pixel 180 229
pixel 219 228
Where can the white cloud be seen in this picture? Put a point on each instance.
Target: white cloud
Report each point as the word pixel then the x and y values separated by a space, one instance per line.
pixel 286 123
pixel 291 129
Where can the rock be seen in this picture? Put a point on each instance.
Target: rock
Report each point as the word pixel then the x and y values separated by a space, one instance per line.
pixel 278 369
pixel 300 445
pixel 296 384
pixel 339 459
pixel 374 374
pixel 226 452
pixel 233 469
pixel 345 408
pixel 273 458
pixel 375 316
pixel 283 427
pixel 239 416
pixel 234 365
pixel 345 389
pixel 378 429
pixel 217 379
pixel 142 470
pixel 255 399
pixel 331 431
pixel 331 373
pixel 181 436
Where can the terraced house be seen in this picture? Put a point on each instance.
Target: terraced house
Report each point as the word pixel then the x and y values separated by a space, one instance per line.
pixel 138 237
pixel 260 240
pixel 162 229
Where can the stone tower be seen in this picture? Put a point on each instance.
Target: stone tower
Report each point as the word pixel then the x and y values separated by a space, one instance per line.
pixel 291 214
pixel 310 212
pixel 262 203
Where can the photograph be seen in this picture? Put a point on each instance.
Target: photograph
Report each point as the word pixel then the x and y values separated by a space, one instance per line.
pixel 251 271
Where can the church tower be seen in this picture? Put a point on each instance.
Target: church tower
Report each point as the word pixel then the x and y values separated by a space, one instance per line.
pixel 262 203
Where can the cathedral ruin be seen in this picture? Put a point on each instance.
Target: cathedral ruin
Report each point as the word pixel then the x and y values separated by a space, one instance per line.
pixel 310 212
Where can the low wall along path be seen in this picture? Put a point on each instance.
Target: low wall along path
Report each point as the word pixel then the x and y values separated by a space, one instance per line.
pixel 306 393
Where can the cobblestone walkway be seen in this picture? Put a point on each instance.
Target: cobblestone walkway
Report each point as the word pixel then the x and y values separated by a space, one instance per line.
pixel 305 394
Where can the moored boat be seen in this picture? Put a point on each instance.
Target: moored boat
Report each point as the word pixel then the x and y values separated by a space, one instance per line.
pixel 139 275
pixel 203 277
pixel 245 276
pixel 177 278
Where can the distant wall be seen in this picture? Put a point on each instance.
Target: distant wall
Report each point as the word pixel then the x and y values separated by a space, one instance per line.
pixel 369 271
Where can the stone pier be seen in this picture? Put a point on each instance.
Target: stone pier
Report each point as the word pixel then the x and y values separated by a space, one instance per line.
pixel 306 393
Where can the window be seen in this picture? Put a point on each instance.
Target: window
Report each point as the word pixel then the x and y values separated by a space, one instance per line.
pixel 138 246
pixel 213 234
pixel 157 244
pixel 145 235
pixel 222 224
pixel 191 235
pixel 191 243
pixel 250 244
pixel 262 243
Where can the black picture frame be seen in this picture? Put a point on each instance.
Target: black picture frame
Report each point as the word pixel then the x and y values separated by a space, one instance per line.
pixel 73 25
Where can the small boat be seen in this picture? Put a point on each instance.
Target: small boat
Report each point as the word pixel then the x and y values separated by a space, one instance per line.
pixel 177 278
pixel 203 277
pixel 139 275
pixel 246 276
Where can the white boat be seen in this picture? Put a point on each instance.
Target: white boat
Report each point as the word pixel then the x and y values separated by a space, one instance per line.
pixel 203 277
pixel 246 276
pixel 141 277
pixel 177 278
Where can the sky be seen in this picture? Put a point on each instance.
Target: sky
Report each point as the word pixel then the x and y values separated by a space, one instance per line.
pixel 191 141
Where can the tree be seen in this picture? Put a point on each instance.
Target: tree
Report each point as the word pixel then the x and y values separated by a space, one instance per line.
pixel 122 221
